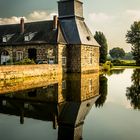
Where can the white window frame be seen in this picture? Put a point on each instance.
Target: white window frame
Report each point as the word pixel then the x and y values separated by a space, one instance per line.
pixel 7 37
pixel 19 55
pixel 29 36
pixel 4 39
pixel 51 60
pixel 26 38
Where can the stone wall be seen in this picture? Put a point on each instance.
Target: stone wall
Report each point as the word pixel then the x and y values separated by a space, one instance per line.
pixel 89 58
pixel 74 58
pixel 79 58
pixel 22 71
pixel 42 51
pixel 82 58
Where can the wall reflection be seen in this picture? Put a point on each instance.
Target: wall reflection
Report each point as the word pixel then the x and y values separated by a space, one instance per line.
pixel 65 101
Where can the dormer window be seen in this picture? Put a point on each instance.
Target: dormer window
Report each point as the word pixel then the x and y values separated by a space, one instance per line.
pixel 26 38
pixel 6 38
pixel 29 36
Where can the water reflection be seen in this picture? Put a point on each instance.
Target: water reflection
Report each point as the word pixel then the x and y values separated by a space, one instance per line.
pixel 64 101
pixel 102 91
pixel 114 71
pixel 133 92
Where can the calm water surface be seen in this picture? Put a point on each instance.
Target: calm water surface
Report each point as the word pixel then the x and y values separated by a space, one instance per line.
pixel 89 107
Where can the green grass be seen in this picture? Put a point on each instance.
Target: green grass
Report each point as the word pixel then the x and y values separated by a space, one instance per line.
pixel 119 67
pixel 124 62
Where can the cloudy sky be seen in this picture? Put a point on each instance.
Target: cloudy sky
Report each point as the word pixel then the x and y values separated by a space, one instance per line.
pixel 112 17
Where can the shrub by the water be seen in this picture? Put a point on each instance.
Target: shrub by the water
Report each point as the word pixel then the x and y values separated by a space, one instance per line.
pixel 25 61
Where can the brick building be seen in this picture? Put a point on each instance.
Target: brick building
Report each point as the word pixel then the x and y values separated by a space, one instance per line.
pixel 64 41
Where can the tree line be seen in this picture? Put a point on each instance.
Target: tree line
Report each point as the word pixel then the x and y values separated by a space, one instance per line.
pixel 132 37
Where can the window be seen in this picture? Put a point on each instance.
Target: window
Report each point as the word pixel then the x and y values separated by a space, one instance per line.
pixel 90 58
pixel 29 36
pixel 6 38
pixel 64 84
pixel 64 61
pixel 4 102
pixel 51 61
pixel 19 55
pixel 26 38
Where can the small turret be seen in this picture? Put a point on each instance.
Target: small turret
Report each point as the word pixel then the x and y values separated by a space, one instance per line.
pixel 70 8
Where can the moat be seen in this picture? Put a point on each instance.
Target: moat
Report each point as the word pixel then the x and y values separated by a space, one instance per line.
pixel 72 107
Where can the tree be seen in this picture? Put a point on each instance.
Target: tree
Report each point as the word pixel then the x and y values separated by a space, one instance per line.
pixel 101 39
pixel 117 53
pixel 133 37
pixel 128 56
pixel 133 92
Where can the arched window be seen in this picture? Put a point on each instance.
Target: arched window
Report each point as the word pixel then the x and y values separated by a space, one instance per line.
pixel 4 53
pixel 4 57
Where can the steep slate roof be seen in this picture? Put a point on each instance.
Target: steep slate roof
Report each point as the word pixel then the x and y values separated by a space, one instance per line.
pixel 73 113
pixel 71 28
pixel 76 32
pixel 44 33
pixel 70 31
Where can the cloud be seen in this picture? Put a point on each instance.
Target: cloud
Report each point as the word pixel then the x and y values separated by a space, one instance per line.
pixel 133 14
pixel 40 15
pixel 34 16
pixel 10 20
pixel 99 17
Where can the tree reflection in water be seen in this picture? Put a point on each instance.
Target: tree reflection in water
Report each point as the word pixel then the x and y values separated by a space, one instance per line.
pixel 102 91
pixel 133 92
pixel 114 71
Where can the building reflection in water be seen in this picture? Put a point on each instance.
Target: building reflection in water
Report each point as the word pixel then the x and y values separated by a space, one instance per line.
pixel 65 101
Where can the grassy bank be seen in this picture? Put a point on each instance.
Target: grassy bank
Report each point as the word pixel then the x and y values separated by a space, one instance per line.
pixel 124 67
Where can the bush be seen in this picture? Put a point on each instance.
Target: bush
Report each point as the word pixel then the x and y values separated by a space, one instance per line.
pixel 123 63
pixel 25 61
pixel 9 62
pixel 107 65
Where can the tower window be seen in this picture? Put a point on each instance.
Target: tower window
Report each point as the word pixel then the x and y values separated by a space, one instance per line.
pixel 64 61
pixel 90 58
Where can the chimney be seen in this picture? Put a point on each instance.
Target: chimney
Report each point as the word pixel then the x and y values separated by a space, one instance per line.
pixel 22 25
pixel 55 22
